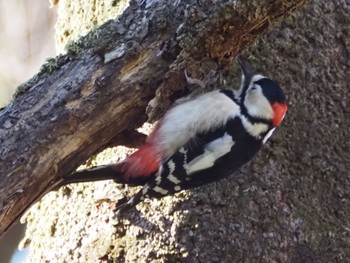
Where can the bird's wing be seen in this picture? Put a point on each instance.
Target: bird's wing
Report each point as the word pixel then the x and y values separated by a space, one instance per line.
pixel 198 154
pixel 205 158
pixel 181 125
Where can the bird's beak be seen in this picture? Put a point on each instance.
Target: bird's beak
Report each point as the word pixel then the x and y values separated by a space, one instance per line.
pixel 247 70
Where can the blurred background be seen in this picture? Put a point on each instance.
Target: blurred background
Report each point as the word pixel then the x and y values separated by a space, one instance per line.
pixel 26 41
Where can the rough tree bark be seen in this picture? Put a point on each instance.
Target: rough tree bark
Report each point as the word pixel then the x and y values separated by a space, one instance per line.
pixel 259 217
pixel 81 101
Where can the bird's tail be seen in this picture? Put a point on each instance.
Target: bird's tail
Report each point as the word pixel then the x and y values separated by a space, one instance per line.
pixel 135 170
pixel 114 172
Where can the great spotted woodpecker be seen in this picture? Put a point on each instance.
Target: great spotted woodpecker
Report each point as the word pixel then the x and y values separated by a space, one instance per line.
pixel 199 141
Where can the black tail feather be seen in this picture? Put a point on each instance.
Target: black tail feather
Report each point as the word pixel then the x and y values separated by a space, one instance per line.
pixel 100 173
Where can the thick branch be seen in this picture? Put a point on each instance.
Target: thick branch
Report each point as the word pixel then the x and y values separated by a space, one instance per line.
pixel 81 101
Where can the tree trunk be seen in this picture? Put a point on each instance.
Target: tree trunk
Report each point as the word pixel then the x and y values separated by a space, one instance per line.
pixel 100 89
pixel 96 93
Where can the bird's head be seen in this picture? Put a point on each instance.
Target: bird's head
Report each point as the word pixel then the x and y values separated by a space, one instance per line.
pixel 261 97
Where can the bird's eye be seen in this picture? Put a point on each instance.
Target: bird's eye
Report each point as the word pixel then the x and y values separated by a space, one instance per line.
pixel 253 88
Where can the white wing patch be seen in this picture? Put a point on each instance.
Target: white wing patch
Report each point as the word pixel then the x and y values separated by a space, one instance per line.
pixel 171 166
pixel 173 179
pixel 213 151
pixel 160 190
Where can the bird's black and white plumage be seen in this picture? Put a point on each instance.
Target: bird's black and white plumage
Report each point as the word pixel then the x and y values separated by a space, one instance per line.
pixel 200 140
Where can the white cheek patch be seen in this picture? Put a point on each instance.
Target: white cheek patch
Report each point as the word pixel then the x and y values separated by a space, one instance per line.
pixel 213 151
pixel 268 135
pixel 258 106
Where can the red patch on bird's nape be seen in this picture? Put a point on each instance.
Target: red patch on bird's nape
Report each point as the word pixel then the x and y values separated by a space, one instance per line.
pixel 279 110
